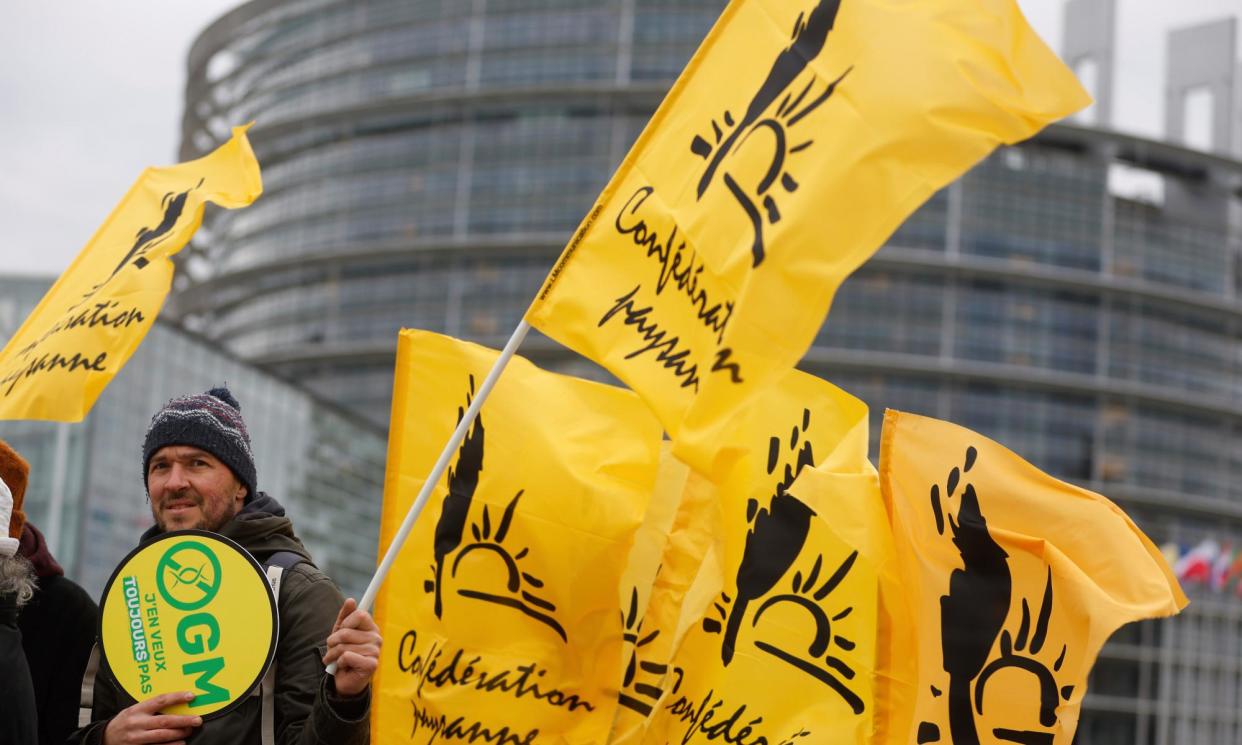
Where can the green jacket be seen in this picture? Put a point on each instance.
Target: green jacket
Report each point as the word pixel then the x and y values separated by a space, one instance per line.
pixel 307 711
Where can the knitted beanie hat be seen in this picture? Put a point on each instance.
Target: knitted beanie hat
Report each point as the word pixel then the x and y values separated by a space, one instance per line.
pixel 14 472
pixel 210 421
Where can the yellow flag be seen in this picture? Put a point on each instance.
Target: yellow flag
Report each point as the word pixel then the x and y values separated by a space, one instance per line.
pixel 787 651
pixel 502 613
pixel 799 136
pixel 1017 580
pixel 93 318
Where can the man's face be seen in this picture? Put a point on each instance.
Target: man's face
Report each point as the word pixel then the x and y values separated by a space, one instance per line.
pixel 191 488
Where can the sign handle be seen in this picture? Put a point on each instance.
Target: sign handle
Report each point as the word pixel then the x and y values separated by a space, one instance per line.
pixel 437 471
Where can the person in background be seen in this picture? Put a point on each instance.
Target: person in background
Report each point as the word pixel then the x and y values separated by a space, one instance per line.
pixel 19 720
pixel 58 629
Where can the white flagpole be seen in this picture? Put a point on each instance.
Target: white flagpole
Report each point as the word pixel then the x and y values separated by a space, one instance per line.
pixel 368 598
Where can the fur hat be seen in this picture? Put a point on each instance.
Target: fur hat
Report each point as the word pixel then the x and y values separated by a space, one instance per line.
pixel 210 421
pixel 14 472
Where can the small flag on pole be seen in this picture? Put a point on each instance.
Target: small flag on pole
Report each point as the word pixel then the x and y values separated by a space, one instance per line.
pixel 97 313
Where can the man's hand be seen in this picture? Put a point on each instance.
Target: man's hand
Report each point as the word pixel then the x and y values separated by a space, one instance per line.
pixel 354 646
pixel 143 723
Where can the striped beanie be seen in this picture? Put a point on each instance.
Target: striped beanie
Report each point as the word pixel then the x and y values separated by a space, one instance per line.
pixel 210 421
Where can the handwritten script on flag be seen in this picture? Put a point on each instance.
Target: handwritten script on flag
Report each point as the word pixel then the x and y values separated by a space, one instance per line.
pixel 93 318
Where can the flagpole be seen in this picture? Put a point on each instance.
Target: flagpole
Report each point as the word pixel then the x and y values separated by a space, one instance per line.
pixel 368 598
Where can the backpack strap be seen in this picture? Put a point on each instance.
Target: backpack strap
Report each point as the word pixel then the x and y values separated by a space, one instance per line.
pixel 86 699
pixel 275 567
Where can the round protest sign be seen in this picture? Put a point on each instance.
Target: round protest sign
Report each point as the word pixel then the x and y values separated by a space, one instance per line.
pixel 189 611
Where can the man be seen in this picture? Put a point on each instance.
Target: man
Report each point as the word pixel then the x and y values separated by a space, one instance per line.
pixel 19 722
pixel 200 473
pixel 58 629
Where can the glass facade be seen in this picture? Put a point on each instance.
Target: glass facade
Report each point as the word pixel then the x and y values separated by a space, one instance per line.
pixel 325 465
pixel 423 163
pixel 426 160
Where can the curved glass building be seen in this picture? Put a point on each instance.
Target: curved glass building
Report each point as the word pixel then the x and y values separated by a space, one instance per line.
pixel 423 162
pixel 1075 297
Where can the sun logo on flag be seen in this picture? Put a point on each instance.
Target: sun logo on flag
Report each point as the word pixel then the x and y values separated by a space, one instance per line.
pixel 973 615
pixel 631 687
pixel 810 32
pixel 1019 652
pixel 776 538
pixel 521 587
pixel 821 662
pixel 773 547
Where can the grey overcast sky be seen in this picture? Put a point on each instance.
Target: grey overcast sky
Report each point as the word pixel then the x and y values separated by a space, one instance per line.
pixel 91 92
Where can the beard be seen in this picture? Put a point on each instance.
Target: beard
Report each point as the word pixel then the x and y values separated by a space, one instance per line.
pixel 199 516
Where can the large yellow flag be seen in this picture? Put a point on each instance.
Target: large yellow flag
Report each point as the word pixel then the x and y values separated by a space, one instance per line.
pixel 89 323
pixel 799 136
pixel 790 648
pixel 503 614
pixel 1017 580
